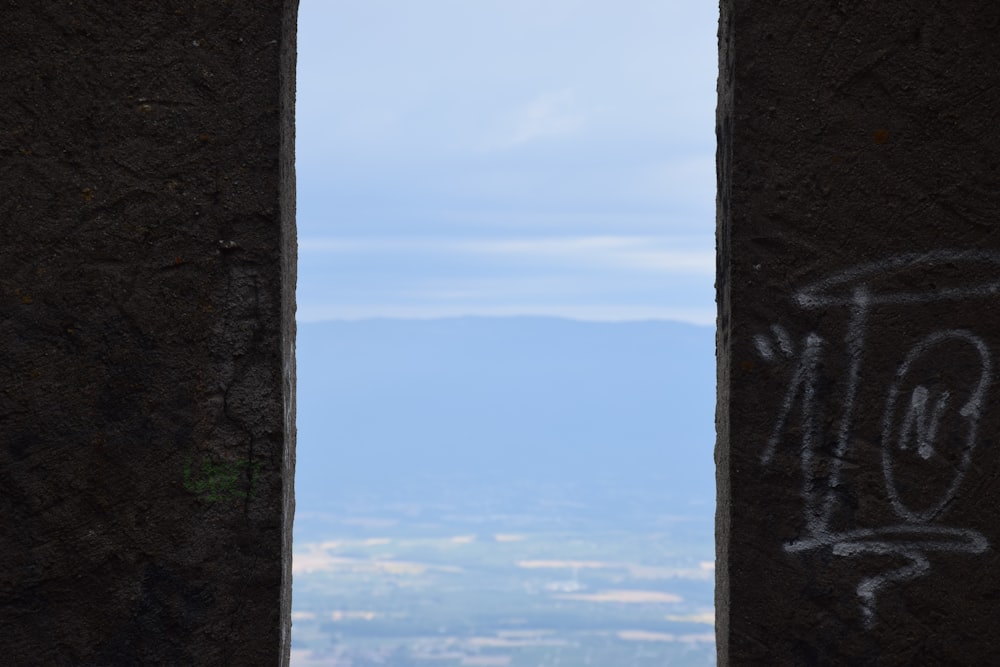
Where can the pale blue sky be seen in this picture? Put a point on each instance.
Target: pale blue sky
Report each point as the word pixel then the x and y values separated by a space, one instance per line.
pixel 506 157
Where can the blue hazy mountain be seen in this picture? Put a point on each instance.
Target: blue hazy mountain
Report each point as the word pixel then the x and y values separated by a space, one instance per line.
pixel 389 403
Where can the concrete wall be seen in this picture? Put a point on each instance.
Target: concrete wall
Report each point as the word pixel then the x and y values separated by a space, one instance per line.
pixel 859 333
pixel 147 272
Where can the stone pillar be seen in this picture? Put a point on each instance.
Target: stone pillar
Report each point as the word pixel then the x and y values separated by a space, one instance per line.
pixel 147 274
pixel 859 333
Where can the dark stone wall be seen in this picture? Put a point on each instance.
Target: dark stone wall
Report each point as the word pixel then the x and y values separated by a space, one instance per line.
pixel 147 272
pixel 859 333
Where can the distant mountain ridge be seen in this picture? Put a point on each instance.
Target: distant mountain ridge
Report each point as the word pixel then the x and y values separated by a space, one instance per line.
pixel 386 402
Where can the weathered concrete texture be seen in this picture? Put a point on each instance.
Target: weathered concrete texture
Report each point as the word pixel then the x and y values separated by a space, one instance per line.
pixel 146 331
pixel 859 333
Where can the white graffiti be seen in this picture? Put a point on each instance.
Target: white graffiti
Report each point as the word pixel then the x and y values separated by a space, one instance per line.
pixel 913 417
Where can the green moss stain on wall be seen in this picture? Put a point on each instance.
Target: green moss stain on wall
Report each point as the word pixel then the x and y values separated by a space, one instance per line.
pixel 221 480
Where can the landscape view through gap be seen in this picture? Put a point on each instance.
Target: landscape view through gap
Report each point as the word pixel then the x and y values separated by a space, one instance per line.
pixel 506 373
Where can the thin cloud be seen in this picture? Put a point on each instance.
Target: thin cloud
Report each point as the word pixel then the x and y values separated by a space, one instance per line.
pixel 637 253
pixel 623 253
pixel 548 115
pixel 704 316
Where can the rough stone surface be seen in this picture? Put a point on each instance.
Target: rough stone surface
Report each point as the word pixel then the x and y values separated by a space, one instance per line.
pixel 147 276
pixel 859 333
